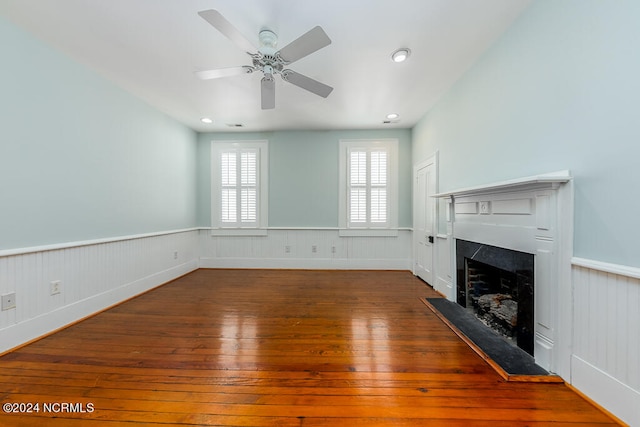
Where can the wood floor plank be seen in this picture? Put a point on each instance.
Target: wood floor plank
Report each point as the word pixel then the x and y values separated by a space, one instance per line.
pixel 275 348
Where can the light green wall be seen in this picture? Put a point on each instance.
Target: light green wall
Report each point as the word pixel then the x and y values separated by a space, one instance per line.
pixel 303 175
pixel 559 90
pixel 82 159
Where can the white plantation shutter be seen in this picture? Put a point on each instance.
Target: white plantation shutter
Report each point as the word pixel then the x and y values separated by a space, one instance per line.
pixel 358 187
pixel 228 179
pixel 228 208
pixel 358 208
pixel 237 192
pixel 239 182
pixel 378 187
pixel 249 186
pixel 367 187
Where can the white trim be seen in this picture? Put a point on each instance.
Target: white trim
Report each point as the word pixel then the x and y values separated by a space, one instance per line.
pixel 368 232
pixel 430 273
pixel 546 231
pixel 67 245
pixel 306 263
pixel 543 180
pixel 45 323
pixel 304 228
pixel 613 395
pixel 397 229
pixel 392 145
pixel 238 231
pixel 621 270
pixel 321 249
pixel 262 145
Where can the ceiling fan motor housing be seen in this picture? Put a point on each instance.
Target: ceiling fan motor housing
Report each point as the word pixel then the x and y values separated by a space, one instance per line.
pixel 267 60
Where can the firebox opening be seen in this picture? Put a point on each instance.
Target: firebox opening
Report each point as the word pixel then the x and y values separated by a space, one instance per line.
pixel 492 296
pixel 496 285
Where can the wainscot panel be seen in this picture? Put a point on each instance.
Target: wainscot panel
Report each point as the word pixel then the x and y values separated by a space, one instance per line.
pixel 90 277
pixel 606 340
pixel 306 249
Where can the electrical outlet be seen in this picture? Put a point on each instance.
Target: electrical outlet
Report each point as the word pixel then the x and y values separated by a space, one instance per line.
pixel 333 249
pixel 314 249
pixel 55 287
pixel 175 255
pixel 287 249
pixel 8 301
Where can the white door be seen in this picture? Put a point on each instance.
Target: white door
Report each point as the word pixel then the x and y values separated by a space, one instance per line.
pixel 424 220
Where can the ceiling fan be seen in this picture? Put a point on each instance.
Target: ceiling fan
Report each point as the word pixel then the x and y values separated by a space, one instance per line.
pixel 267 59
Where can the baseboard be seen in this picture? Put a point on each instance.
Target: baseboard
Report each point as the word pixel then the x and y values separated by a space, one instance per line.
pixel 47 323
pixel 608 392
pixel 307 263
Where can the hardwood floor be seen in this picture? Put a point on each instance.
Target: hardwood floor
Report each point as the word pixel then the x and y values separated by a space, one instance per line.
pixel 274 348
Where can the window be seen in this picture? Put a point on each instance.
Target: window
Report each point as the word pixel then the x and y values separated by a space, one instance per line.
pixel 239 195
pixel 368 187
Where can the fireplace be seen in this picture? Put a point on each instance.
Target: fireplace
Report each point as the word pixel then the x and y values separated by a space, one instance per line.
pixel 504 232
pixel 497 286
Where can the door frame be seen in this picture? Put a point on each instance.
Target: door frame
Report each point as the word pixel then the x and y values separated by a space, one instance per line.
pixel 431 160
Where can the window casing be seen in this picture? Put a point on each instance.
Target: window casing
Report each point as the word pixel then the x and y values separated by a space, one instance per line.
pixel 239 194
pixel 368 187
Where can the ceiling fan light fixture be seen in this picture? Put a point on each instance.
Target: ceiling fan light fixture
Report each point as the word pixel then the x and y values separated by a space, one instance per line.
pixel 268 60
pixel 401 54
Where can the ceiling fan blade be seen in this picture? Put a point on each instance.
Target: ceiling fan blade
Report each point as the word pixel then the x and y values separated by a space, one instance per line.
pixel 268 89
pixel 224 72
pixel 304 45
pixel 306 83
pixel 221 24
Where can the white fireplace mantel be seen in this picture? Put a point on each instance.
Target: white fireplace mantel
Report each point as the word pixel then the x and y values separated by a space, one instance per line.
pixel 532 215
pixel 549 180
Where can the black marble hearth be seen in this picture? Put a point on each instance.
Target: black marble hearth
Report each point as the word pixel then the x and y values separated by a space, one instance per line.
pixel 511 359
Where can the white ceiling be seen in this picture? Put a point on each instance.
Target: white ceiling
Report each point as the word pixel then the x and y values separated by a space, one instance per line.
pixel 152 48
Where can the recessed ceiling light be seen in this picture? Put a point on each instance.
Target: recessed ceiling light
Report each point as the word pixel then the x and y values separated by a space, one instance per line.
pixel 206 120
pixel 393 116
pixel 401 54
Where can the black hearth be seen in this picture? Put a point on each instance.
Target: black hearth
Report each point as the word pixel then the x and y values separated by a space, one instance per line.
pixel 497 286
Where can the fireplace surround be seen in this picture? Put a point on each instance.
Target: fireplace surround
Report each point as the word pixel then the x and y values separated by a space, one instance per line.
pixel 531 216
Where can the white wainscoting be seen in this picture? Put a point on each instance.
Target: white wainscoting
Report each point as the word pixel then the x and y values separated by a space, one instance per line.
pixel 294 248
pixel 94 275
pixel 606 344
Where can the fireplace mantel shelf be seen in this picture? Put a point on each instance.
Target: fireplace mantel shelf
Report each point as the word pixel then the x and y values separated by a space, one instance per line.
pixel 550 179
